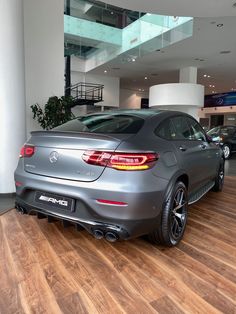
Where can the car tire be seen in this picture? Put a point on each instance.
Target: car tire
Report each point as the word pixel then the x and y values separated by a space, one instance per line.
pixel 226 151
pixel 174 218
pixel 219 180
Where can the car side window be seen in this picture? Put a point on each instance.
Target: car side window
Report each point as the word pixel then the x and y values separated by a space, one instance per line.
pixel 182 129
pixel 166 130
pixel 196 130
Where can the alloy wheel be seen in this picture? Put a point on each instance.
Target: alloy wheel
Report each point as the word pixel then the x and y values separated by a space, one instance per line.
pixel 178 215
pixel 226 151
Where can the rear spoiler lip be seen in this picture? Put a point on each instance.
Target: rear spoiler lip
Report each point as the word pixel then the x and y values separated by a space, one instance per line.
pixel 74 134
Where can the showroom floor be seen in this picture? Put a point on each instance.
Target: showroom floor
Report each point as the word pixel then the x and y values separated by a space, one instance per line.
pixel 50 269
pixel 45 268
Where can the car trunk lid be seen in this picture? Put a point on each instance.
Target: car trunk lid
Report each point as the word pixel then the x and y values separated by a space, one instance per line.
pixel 59 154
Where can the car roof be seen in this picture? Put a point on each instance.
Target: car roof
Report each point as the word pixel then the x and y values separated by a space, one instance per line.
pixel 142 113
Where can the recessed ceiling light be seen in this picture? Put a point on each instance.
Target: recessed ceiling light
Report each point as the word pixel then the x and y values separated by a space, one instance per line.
pixel 112 12
pixel 208 76
pixel 105 71
pixel 210 86
pixel 224 52
pixel 145 78
pixel 133 60
pixel 205 75
pixel 220 25
pixel 139 89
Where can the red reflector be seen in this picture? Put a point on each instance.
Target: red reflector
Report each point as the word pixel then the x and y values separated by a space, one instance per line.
pixel 18 183
pixel 27 151
pixel 108 202
pixel 121 161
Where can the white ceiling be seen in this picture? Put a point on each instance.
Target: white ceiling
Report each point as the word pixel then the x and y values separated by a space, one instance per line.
pixel 163 67
pixel 196 8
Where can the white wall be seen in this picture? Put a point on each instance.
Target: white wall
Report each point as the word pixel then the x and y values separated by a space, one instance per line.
pixel 130 99
pixel 44 53
pixel 12 91
pixel 111 92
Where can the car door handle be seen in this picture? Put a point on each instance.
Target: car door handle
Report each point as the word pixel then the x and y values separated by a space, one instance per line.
pixel 183 148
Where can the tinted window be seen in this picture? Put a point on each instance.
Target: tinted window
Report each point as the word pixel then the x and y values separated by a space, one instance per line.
pixel 196 130
pixel 182 130
pixel 166 130
pixel 104 123
pixel 227 131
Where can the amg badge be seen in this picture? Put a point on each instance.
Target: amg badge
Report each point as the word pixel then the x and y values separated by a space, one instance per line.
pixel 53 200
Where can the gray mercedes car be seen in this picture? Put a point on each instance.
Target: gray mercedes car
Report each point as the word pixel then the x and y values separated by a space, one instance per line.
pixel 120 174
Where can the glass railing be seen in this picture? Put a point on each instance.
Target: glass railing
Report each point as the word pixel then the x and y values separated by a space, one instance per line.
pixel 97 42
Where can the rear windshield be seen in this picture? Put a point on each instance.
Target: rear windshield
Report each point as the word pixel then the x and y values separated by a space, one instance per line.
pixel 103 123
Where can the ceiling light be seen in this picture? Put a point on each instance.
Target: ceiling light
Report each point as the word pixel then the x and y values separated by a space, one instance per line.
pixel 213 85
pixel 220 25
pixel 139 89
pixel 105 71
pixel 210 86
pixel 133 60
pixel 145 78
pixel 208 76
pixel 112 12
pixel 205 75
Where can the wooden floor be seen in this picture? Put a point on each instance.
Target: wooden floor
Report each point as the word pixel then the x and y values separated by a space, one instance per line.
pixel 47 269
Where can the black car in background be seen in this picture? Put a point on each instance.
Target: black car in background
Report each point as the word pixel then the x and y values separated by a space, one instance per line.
pixel 226 137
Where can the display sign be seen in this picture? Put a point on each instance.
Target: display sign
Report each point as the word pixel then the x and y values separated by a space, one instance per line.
pixel 220 100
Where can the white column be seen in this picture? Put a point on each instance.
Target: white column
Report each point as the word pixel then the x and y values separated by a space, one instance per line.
pixel 44 53
pixel 12 90
pixel 183 97
pixel 188 75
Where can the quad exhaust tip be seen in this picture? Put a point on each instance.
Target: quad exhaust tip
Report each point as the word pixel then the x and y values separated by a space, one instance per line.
pixel 111 236
pixel 98 234
pixel 21 209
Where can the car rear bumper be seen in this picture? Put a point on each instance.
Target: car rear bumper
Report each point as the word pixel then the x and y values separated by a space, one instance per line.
pixel 140 216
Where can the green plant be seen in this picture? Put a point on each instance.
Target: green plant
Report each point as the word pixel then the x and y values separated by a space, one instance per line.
pixel 56 111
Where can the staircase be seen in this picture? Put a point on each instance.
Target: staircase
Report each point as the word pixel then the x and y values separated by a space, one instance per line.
pixel 85 93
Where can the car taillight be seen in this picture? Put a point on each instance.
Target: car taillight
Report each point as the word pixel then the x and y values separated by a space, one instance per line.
pixel 27 151
pixel 121 161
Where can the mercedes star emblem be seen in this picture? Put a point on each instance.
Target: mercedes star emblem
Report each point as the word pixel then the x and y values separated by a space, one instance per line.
pixel 53 157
